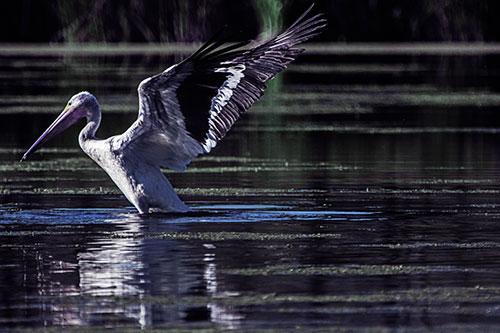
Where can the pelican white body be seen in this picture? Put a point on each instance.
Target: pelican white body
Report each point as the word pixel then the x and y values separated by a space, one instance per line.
pixel 144 185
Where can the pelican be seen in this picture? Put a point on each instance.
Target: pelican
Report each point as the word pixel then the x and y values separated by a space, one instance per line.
pixel 183 112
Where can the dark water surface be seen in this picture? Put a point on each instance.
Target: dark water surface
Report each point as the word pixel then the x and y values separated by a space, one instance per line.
pixel 362 192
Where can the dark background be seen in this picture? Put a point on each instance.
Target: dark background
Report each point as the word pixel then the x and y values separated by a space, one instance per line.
pixel 188 21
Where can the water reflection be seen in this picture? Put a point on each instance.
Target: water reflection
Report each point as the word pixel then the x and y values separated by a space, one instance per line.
pixel 125 269
pixel 113 267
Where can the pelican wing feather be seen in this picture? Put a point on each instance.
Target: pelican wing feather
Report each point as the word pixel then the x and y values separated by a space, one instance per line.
pixel 185 110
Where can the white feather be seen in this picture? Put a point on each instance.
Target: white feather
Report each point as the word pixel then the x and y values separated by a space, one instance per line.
pixel 224 94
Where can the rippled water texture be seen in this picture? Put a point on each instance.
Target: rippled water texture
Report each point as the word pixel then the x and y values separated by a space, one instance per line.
pixel 361 192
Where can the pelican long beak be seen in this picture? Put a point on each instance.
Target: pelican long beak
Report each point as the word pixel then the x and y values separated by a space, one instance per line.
pixel 67 118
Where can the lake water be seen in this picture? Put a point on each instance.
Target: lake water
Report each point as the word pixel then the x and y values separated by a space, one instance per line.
pixel 361 193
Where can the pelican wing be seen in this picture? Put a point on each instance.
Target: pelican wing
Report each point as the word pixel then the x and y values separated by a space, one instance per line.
pixel 185 110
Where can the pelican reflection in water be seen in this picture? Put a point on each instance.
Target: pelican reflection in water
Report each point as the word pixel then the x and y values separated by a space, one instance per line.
pixel 183 112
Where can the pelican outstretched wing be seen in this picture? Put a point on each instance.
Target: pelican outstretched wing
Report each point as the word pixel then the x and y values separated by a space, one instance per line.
pixel 185 110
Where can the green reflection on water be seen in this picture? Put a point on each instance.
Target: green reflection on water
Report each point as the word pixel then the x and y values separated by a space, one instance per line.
pixel 350 270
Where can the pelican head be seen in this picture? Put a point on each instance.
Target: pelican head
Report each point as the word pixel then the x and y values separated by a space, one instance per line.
pixel 81 105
